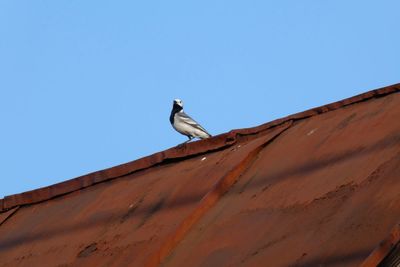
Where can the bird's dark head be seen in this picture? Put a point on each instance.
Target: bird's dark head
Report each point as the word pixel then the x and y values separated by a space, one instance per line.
pixel 178 102
pixel 177 106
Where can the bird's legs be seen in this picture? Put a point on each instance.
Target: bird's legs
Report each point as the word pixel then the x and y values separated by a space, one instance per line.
pixel 190 139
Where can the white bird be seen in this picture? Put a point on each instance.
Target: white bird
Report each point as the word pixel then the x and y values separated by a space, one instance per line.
pixel 184 124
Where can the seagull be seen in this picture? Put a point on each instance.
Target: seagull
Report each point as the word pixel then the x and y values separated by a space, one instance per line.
pixel 184 124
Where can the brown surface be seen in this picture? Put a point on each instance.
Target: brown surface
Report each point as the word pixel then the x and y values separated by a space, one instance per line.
pixel 317 187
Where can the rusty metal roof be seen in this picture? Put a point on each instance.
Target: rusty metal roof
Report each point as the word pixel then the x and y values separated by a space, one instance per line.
pixel 320 187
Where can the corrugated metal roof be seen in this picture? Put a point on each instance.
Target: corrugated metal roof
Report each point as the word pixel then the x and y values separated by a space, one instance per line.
pixel 320 187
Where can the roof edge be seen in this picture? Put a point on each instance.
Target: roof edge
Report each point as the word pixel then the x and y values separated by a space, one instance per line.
pixel 190 149
pixel 384 248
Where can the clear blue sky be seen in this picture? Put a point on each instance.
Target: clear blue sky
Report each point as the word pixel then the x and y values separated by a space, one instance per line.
pixel 87 85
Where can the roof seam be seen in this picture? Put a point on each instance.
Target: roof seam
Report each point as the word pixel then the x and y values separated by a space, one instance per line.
pixel 12 212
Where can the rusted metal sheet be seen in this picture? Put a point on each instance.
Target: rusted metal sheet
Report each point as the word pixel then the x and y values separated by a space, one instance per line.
pixel 120 222
pixel 324 193
pixel 315 188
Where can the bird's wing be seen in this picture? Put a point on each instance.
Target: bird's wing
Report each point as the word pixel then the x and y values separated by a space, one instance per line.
pixel 187 119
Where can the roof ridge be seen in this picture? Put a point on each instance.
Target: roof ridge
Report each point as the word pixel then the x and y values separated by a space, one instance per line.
pixel 218 142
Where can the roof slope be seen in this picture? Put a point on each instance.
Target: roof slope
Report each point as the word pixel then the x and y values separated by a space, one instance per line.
pixel 317 187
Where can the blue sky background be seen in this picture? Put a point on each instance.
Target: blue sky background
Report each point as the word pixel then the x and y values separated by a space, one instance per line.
pixel 86 85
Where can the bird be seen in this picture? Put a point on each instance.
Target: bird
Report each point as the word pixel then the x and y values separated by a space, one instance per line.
pixel 184 124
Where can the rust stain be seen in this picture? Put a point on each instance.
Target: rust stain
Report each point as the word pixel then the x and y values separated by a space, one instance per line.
pixel 90 249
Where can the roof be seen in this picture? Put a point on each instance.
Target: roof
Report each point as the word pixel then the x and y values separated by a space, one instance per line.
pixel 320 187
